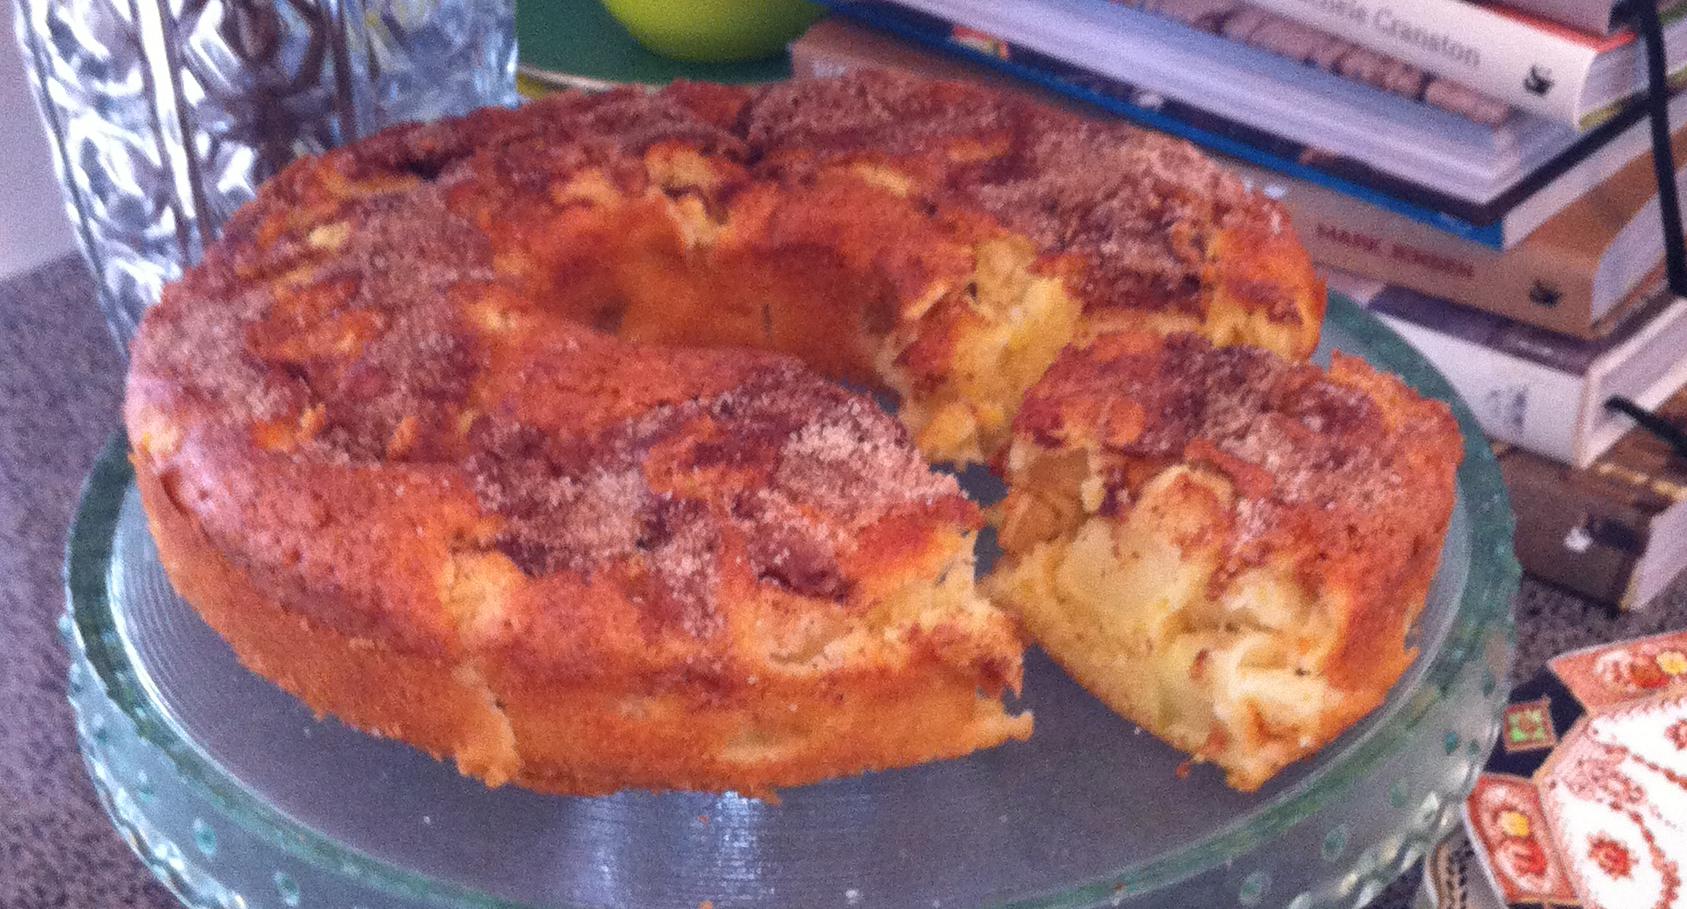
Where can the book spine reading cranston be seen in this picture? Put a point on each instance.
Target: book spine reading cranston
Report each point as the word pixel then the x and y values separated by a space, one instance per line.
pixel 1247 24
pixel 1519 61
pixel 1157 111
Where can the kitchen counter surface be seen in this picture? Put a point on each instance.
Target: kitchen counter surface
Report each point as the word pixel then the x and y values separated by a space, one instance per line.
pixel 60 387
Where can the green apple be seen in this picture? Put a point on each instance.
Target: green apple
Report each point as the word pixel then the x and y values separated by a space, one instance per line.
pixel 714 31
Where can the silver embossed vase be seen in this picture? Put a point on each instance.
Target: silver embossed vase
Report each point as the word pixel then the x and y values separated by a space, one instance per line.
pixel 165 115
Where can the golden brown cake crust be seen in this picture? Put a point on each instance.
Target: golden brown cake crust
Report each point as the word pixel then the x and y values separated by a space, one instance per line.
pixel 1134 218
pixel 1312 508
pixel 1348 471
pixel 667 553
pixel 470 402
pixel 575 737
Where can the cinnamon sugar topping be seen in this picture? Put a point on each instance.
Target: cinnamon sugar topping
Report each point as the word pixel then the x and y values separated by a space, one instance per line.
pixel 355 291
pixel 788 464
pixel 1290 436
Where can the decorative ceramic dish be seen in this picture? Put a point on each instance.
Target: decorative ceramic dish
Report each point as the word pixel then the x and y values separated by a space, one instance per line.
pixel 237 797
pixel 1584 800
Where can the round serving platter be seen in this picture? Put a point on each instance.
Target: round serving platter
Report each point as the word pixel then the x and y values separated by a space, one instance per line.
pixel 236 796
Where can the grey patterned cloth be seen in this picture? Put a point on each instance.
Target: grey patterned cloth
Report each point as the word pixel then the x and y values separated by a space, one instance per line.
pixel 60 386
pixel 60 383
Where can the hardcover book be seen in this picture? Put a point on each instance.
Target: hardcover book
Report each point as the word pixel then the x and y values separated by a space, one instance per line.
pixel 1302 43
pixel 1568 276
pixel 1534 63
pixel 1598 17
pixel 1535 389
pixel 1614 531
pixel 1489 185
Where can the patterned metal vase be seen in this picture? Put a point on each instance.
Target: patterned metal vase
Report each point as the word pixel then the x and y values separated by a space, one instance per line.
pixel 165 115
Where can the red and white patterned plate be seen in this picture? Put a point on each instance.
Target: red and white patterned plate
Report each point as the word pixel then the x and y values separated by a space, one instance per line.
pixel 1584 801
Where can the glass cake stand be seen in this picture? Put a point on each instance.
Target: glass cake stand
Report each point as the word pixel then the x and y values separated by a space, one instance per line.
pixel 238 798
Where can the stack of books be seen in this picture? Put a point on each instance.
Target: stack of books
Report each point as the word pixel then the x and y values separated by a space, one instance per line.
pixel 1609 519
pixel 1480 176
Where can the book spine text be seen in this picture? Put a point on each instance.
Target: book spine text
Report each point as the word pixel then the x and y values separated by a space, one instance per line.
pixel 1531 283
pixel 1507 58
